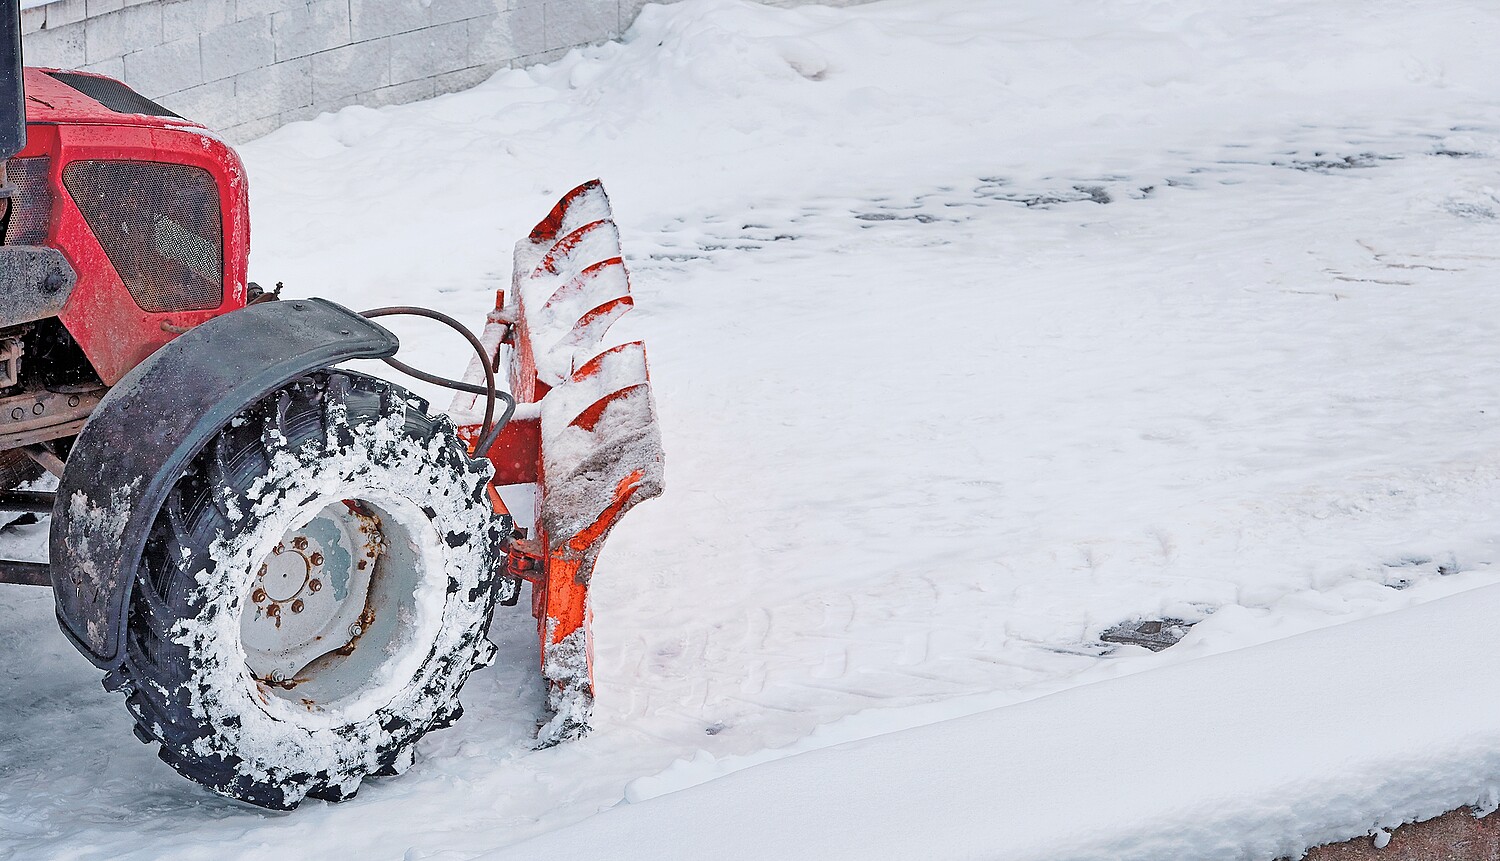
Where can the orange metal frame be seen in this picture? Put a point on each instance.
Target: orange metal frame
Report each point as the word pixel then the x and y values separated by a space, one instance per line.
pixel 572 257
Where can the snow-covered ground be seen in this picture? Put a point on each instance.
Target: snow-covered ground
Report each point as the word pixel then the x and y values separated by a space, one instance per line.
pixel 976 329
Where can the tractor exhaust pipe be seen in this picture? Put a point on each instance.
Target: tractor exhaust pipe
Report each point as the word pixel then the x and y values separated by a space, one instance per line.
pixel 12 100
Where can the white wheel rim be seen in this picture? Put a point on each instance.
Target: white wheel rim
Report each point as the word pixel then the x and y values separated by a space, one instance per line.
pixel 367 571
pixel 309 596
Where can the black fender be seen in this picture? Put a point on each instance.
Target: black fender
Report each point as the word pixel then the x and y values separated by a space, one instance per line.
pixel 150 426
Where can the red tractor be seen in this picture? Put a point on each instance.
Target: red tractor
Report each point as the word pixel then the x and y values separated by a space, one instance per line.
pixel 288 568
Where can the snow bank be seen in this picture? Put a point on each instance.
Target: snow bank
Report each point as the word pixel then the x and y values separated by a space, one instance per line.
pixel 1254 754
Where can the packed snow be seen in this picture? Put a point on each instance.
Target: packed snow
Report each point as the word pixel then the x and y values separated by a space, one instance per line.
pixel 976 329
pixel 1253 754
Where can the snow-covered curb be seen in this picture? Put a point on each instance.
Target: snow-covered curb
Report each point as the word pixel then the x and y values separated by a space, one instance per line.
pixel 1254 754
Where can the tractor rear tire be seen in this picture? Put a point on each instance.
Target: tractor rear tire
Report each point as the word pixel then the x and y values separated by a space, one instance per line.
pixel 315 591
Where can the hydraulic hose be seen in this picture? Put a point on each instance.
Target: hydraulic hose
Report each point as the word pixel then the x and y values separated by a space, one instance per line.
pixel 490 430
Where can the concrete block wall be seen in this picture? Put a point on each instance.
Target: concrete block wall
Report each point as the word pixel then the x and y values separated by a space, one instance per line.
pixel 244 67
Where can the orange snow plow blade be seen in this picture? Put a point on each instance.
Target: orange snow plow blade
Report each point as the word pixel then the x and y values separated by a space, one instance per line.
pixel 583 446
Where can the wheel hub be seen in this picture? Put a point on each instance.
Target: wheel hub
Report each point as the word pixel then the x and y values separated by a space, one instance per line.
pixel 309 594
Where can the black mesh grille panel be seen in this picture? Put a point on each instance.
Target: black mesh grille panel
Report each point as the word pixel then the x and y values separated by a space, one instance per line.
pixel 113 95
pixel 159 224
pixel 28 226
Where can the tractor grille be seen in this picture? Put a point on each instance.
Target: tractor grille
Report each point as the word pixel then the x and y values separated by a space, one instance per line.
pixel 159 224
pixel 28 226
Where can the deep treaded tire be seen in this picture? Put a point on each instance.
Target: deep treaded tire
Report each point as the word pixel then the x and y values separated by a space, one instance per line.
pixel 328 444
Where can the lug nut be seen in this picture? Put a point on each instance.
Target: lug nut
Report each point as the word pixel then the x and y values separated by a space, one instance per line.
pixel 258 595
pixel 314 585
pixel 297 606
pixel 316 559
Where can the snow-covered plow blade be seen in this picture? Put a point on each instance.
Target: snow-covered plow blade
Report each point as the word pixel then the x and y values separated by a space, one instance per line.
pixel 583 446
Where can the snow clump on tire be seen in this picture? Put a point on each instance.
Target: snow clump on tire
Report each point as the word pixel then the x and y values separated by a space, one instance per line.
pixel 330 437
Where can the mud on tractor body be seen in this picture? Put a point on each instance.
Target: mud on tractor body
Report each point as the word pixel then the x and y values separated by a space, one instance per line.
pixel 287 568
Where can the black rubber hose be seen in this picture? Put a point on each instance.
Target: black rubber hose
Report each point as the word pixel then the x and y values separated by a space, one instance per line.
pixel 490 430
pixel 506 397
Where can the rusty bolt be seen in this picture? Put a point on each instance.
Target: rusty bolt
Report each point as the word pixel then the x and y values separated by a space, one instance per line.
pixel 300 542
pixel 314 585
pixel 316 559
pixel 276 551
pixel 258 595
pixel 297 606
pixel 273 611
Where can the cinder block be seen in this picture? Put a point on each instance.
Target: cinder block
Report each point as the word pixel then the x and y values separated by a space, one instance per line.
pixel 464 79
pixel 429 52
pixel 539 58
pixel 237 47
pixel 133 28
pixel 253 8
pixel 445 11
pixel 630 10
pixel 490 39
pixel 527 30
pixel 33 19
pixel 164 69
pixel 103 7
pixel 250 131
pixel 311 111
pixel 210 104
pixel 372 19
pixel 181 19
pixel 351 69
pixel 61 48
pixel 64 12
pixel 113 68
pixel 275 89
pixel 570 23
pixel 399 94
pixel 318 108
pixel 319 26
